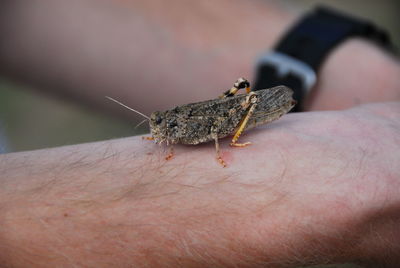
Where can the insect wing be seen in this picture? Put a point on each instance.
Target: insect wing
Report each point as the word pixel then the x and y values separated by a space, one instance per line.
pixel 272 104
pixel 196 122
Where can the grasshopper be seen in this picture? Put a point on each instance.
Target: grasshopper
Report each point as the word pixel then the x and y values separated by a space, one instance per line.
pixel 210 120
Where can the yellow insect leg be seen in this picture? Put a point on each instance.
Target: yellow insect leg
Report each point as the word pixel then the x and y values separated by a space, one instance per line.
pixel 230 92
pixel 239 84
pixel 242 126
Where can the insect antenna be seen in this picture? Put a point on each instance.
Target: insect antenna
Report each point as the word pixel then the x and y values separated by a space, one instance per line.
pixel 131 109
pixel 141 123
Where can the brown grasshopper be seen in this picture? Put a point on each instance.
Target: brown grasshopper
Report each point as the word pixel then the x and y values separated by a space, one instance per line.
pixel 230 114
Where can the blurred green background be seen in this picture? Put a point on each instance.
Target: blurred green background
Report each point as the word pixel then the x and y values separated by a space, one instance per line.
pixel 31 120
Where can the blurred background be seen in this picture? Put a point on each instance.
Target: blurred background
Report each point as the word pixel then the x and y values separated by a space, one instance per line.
pixel 30 119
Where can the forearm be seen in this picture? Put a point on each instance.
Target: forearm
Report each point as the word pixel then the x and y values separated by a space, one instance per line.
pixel 182 51
pixel 301 195
pixel 121 203
pixel 179 52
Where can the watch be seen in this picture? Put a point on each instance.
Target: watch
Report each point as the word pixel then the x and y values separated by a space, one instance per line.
pixel 297 57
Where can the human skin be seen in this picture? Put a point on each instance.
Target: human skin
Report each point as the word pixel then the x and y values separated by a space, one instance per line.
pixel 318 187
pixel 180 52
pixel 315 187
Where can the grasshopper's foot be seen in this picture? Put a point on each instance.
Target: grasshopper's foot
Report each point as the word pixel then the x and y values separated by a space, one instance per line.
pixel 234 144
pixel 221 161
pixel 170 154
pixel 148 138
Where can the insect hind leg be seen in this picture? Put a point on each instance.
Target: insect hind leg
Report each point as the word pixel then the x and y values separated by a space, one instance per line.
pixel 241 83
pixel 252 103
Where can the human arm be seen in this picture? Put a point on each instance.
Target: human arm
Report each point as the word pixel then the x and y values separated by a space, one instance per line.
pixel 319 187
pixel 98 230
pixel 180 52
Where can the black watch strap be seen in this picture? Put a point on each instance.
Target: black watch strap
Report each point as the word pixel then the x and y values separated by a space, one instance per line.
pixel 309 42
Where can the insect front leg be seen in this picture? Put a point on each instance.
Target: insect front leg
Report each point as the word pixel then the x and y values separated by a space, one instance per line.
pixel 251 101
pixel 170 153
pixel 239 84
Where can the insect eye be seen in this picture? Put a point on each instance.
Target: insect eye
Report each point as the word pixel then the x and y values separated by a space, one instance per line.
pixel 158 120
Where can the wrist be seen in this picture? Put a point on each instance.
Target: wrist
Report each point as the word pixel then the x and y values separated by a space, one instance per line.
pixel 299 54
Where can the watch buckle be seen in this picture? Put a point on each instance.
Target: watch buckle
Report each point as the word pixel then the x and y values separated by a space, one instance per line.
pixel 285 64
